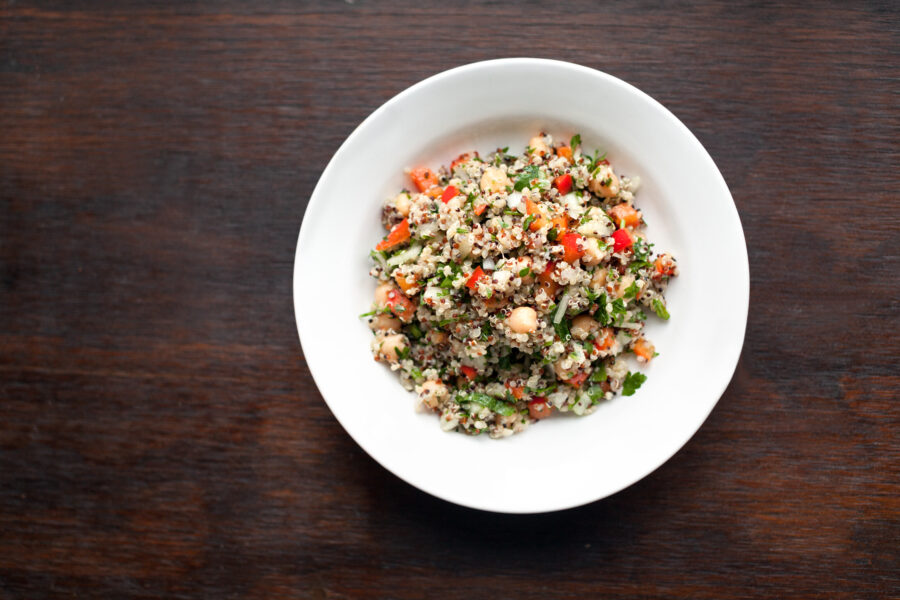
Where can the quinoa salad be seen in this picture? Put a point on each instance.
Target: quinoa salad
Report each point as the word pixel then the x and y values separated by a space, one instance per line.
pixel 514 286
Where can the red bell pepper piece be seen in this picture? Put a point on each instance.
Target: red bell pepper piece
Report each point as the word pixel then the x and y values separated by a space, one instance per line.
pixel 621 240
pixel 398 234
pixel 472 282
pixel 449 193
pixel 563 183
pixel 574 246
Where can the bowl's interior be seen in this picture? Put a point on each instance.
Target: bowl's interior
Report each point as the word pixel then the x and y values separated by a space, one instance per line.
pixel 563 461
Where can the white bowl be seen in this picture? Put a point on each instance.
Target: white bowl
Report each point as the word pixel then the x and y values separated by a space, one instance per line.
pixel 560 462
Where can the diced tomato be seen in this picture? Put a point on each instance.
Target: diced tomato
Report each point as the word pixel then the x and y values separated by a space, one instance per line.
pixel 605 339
pixel 644 349
pixel 664 265
pixel 405 283
pixel 603 162
pixel 577 379
pixel 472 282
pixel 538 408
pixel 563 183
pixel 398 234
pixel 516 391
pixel 621 240
pixel 400 305
pixel 531 208
pixel 625 214
pixel 450 192
pixel 468 371
pixel 574 246
pixel 565 152
pixel 423 178
pixel 560 223
pixel 480 209
pixel 546 282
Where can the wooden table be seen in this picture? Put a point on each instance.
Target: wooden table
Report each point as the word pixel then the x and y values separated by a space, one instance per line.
pixel 160 434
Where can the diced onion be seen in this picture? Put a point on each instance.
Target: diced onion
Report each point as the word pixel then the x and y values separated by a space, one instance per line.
pixel 561 309
pixel 488 264
pixel 407 255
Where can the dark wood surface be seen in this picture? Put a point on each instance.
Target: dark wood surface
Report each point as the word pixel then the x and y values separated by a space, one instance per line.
pixel 160 434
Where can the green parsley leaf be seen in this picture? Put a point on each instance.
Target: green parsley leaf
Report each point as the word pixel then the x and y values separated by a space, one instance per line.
pixel 595 393
pixel 551 235
pixel 528 221
pixel 525 272
pixel 402 353
pixel 599 374
pixel 526 176
pixel 632 290
pixel 415 332
pixel 660 309
pixel 575 141
pixel 562 330
pixel 601 314
pixel 632 382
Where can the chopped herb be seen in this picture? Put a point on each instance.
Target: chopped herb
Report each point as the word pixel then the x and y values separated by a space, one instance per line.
pixel 641 259
pixel 595 393
pixel 599 374
pixel 528 221
pixel 402 353
pixel 486 331
pixel 525 272
pixel 526 176
pixel 551 235
pixel 602 315
pixel 505 362
pixel 660 309
pixel 588 347
pixel 632 382
pixel 562 330
pixel 415 332
pixel 367 314
pixel 462 230
pixel 416 374
pixel 575 141
pixel 493 404
pixel 618 311
pixel 550 388
pixel 632 290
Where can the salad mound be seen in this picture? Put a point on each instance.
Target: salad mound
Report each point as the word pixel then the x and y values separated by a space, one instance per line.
pixel 512 287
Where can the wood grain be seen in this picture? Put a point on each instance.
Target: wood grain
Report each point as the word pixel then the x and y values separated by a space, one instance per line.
pixel 160 435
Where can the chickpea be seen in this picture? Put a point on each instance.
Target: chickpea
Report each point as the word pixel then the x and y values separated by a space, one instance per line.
pixel 381 294
pixel 494 180
pixel 403 203
pixel 438 337
pixel 390 346
pixel 539 144
pixel 604 182
pixel 523 319
pixel 583 326
pixel 599 279
pixel 432 393
pixel 383 322
pixel 592 253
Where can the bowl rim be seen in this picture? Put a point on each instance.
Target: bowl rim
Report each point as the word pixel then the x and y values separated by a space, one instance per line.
pixel 316 202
